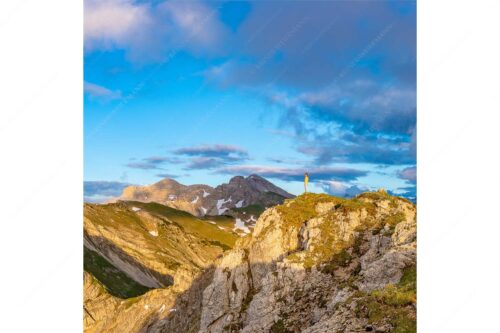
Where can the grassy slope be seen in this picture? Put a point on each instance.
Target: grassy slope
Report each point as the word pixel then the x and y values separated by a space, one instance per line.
pixel 197 226
pixel 254 210
pixel 115 281
pixel 394 304
pixel 179 234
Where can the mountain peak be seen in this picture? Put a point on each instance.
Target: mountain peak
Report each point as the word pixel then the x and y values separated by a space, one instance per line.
pixel 167 181
pixel 203 200
pixel 236 179
pixel 255 176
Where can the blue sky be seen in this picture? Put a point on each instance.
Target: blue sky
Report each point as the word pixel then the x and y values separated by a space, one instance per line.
pixel 202 91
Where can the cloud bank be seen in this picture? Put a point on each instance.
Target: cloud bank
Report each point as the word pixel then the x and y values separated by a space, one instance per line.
pixel 100 191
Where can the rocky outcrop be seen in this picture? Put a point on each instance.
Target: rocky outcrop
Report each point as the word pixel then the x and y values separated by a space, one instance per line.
pixel 310 263
pixel 97 303
pixel 201 200
pixel 314 264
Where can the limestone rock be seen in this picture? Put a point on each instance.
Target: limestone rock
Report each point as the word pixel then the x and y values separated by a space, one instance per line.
pixel 314 264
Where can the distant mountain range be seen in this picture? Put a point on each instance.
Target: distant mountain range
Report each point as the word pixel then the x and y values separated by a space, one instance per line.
pixel 232 198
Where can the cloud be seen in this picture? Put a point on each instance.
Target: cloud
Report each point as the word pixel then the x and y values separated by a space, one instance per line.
pixel 166 175
pixel 100 191
pixel 217 150
pixel 95 91
pixel 195 20
pixel 212 156
pixel 409 174
pixel 357 122
pixel 342 189
pixel 364 106
pixel 152 163
pixel 409 192
pixel 151 31
pixel 205 163
pixel 288 174
pixel 347 97
pixel 347 147
pixel 300 46
pixel 115 23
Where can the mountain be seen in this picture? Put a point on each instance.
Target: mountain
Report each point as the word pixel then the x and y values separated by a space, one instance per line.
pixel 200 200
pixel 314 264
pixel 137 252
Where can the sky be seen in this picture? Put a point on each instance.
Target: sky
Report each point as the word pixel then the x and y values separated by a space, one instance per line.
pixel 201 91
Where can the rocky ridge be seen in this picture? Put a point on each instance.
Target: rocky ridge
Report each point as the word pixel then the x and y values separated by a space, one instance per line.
pixel 315 264
pixel 201 200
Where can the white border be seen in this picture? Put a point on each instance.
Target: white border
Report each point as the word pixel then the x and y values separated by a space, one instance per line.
pixel 41 168
pixel 458 107
pixel 41 165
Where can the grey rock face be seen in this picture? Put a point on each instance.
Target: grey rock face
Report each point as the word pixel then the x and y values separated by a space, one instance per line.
pixel 203 200
pixel 262 286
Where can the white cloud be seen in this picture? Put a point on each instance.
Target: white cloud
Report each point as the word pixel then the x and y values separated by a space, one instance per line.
pixel 195 20
pixel 113 23
pixel 99 92
pixel 147 32
pixel 342 189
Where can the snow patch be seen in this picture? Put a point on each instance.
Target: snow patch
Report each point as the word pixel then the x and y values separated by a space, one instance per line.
pixel 239 204
pixel 162 308
pixel 204 210
pixel 172 310
pixel 136 209
pixel 221 228
pixel 195 200
pixel 172 197
pixel 221 202
pixel 239 224
pixel 211 222
pixel 153 233
pixel 205 193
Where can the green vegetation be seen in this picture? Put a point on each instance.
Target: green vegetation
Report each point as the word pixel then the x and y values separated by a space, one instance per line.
pixel 279 327
pixel 302 208
pixel 394 219
pixel 350 205
pixel 381 195
pixel 296 211
pixel 341 259
pixel 201 228
pixel 114 281
pixel 393 304
pixel 328 248
pixel 255 210
pixel 270 198
pixel 219 244
pixel 378 195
